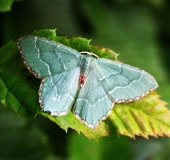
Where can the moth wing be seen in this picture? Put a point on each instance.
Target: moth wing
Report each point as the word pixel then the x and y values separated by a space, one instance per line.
pixel 44 57
pixel 123 82
pixel 93 104
pixel 58 92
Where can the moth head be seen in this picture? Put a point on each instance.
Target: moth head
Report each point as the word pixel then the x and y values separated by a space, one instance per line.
pixel 89 53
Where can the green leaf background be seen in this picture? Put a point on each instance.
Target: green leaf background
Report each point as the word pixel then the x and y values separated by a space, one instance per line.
pixel 132 29
pixel 5 5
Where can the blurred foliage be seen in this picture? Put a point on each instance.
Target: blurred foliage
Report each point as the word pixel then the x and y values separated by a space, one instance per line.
pixel 5 5
pixel 139 30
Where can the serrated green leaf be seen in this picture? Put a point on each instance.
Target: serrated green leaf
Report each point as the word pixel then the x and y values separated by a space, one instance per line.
pixel 147 116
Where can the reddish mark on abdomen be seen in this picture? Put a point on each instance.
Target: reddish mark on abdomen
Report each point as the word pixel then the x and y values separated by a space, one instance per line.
pixel 82 79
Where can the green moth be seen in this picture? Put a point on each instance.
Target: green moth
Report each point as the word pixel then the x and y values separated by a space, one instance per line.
pixel 81 81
